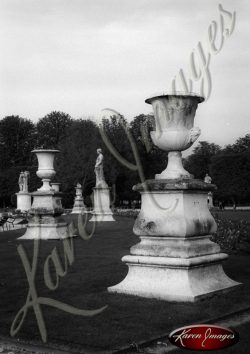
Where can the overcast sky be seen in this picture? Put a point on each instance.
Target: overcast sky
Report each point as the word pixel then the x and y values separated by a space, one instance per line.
pixel 79 56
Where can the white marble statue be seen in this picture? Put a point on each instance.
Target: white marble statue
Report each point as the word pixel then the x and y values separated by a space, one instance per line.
pixel 21 181
pixel 23 196
pixel 100 180
pixel 207 179
pixel 26 176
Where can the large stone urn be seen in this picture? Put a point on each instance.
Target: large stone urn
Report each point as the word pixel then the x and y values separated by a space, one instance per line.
pixel 175 259
pixel 44 222
pixel 45 167
pixel 175 131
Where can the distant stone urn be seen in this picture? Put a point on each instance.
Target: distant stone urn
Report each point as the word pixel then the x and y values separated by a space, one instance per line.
pixel 45 166
pixel 175 131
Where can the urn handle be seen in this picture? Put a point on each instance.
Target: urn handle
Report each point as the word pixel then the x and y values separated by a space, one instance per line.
pixel 194 134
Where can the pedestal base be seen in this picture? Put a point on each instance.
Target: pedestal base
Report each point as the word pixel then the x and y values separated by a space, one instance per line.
pixel 79 207
pixel 46 232
pixel 44 217
pixel 102 217
pixel 102 211
pixel 78 210
pixel 175 259
pixel 23 201
pixel 174 279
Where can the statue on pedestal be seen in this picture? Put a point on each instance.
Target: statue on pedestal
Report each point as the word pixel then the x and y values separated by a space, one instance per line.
pixel 21 181
pixel 26 176
pixel 100 180
pixel 23 196
pixel 102 211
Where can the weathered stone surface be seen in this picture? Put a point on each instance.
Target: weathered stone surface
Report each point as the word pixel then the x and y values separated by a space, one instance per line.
pixel 23 201
pixel 46 203
pixel 102 211
pixel 175 259
pixel 174 129
pixel 176 213
pixel 46 231
pixel 175 279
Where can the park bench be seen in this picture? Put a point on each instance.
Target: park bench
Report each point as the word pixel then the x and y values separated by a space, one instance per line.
pixel 6 221
pixel 3 222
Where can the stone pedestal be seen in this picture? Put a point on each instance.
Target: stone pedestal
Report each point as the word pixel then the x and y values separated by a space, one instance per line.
pixel 175 259
pixel 23 201
pixel 79 206
pixel 44 215
pixel 44 222
pixel 102 211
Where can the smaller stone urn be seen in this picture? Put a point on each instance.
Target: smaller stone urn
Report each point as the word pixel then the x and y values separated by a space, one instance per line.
pixel 45 167
pixel 79 206
pixel 45 222
pixel 175 131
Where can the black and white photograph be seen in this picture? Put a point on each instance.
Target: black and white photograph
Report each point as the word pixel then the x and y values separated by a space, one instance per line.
pixel 124 176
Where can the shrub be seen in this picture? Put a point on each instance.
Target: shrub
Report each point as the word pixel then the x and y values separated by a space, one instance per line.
pixel 231 234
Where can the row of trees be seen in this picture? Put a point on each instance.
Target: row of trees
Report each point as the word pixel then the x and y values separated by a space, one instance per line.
pixel 129 155
pixel 77 140
pixel 229 168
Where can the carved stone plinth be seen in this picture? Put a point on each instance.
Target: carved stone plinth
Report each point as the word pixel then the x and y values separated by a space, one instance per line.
pixel 79 206
pixel 175 259
pixel 23 201
pixel 44 222
pixel 102 211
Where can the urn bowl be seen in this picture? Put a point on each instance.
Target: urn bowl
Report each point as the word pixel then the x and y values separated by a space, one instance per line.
pixel 174 128
pixel 45 166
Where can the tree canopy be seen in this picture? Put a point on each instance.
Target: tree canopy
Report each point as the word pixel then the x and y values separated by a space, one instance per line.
pixel 129 155
pixel 51 129
pixel 198 163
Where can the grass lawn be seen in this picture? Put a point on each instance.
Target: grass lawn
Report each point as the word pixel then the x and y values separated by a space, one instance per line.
pixel 96 266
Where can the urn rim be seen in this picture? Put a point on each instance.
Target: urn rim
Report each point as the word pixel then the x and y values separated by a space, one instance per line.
pixel 45 150
pixel 175 94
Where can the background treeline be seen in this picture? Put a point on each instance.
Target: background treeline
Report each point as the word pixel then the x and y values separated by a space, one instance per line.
pixel 78 139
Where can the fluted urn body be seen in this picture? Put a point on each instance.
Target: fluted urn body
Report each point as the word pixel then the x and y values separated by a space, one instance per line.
pixel 174 129
pixel 45 167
